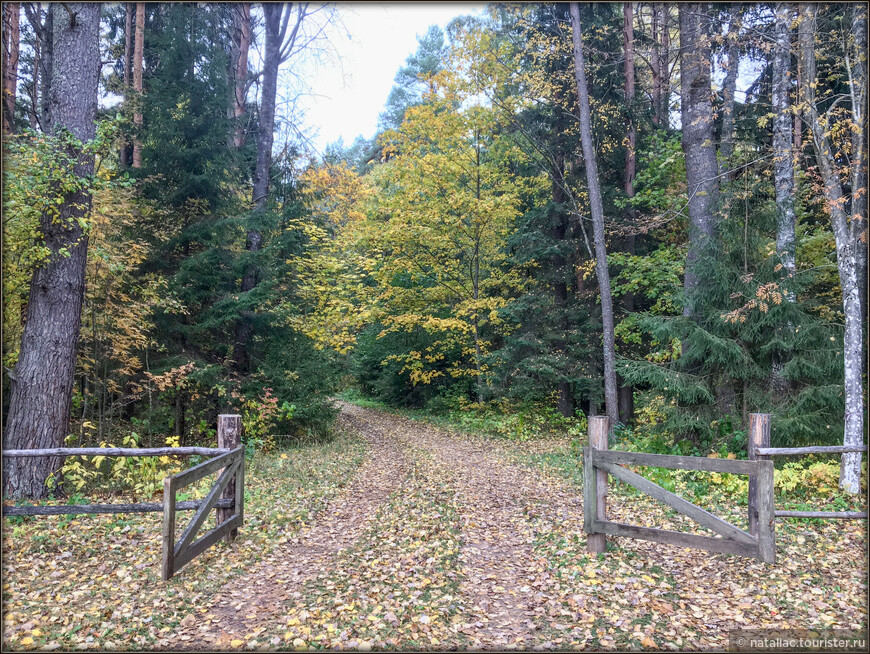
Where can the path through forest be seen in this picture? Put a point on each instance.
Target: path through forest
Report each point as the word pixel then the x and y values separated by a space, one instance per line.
pixel 500 589
pixel 443 541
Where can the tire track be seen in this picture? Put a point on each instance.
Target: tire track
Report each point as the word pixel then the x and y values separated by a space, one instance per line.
pixel 252 602
pixel 504 583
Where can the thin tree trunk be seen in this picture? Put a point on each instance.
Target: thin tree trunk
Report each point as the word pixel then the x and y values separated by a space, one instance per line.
pixel 783 168
pixel 179 415
pixel 47 68
pixel 698 144
pixel 11 43
pixel 859 149
pixel 845 238
pixel 729 87
pixel 33 109
pixel 137 79
pixel 560 288
pixel 597 210
pixel 254 242
pixel 798 122
pixel 39 408
pixel 782 142
pixel 664 63
pixel 655 65
pixel 626 392
pixel 126 153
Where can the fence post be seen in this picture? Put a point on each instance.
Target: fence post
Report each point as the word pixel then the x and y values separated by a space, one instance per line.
pixel 766 514
pixel 229 436
pixel 168 568
pixel 759 436
pixel 599 428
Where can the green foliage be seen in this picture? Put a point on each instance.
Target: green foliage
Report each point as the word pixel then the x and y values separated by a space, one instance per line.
pixel 655 276
pixel 705 370
pixel 141 475
pixel 39 174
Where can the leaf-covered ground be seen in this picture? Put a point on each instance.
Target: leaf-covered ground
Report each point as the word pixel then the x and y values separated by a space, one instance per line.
pixel 399 535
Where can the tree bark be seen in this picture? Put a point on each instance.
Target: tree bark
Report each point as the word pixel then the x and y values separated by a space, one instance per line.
pixel 39 407
pixel 597 210
pixel 240 70
pixel 33 108
pixel 277 48
pixel 47 69
pixel 126 153
pixel 782 142
pixel 846 239
pixel 254 242
pixel 659 63
pixel 729 87
pixel 783 170
pixel 698 144
pixel 560 288
pixel 626 392
pixel 859 148
pixel 666 56
pixel 655 65
pixel 11 43
pixel 139 48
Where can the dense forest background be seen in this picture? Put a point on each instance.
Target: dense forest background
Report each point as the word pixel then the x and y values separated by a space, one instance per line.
pixel 449 263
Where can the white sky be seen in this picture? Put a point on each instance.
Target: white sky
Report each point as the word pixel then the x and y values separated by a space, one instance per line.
pixel 347 95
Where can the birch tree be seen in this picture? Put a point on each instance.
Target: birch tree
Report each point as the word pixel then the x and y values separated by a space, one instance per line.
pixel 844 188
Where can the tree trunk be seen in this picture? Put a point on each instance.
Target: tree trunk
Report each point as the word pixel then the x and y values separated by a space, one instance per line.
pixel 664 64
pixel 655 66
pixel 846 242
pixel 558 231
pixel 33 108
pixel 626 392
pixel 240 71
pixel 597 210
pixel 782 143
pixel 126 153
pixel 783 169
pixel 11 42
pixel 137 79
pixel 179 415
pixel 729 87
pixel 39 409
pixel 47 67
pixel 698 144
pixel 859 148
pixel 271 62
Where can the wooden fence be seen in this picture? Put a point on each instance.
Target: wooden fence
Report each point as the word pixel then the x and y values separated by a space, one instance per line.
pixel 759 448
pixel 226 496
pixel 758 542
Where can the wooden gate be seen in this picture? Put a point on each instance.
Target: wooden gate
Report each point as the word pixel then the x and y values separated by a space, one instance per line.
pixel 598 462
pixel 230 484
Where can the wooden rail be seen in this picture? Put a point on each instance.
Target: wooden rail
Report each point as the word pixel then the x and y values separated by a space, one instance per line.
pixel 759 448
pixel 139 507
pixel 732 466
pixel 117 451
pixel 803 451
pixel 843 515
